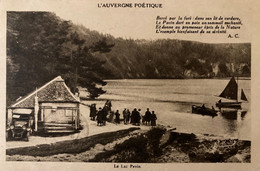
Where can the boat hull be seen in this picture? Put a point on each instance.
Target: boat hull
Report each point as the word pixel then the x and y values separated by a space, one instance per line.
pixel 204 111
pixel 236 105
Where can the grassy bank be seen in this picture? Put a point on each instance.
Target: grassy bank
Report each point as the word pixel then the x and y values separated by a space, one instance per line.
pixel 179 148
pixel 70 146
pixel 156 145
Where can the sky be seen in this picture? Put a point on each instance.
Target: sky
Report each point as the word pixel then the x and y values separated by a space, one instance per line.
pixel 139 23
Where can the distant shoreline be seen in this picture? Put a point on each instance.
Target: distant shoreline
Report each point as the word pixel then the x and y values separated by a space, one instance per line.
pixel 214 78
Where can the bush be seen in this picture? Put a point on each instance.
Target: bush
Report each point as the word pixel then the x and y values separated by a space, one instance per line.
pixel 133 150
pixel 154 136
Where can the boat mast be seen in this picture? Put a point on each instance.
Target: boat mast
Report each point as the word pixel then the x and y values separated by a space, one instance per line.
pixel 237 89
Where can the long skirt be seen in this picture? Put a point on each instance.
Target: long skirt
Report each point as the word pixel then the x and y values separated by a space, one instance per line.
pixel 153 122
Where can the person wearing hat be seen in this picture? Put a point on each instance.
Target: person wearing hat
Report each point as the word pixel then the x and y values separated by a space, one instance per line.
pixel 117 117
pixel 99 117
pixel 93 111
pixel 147 117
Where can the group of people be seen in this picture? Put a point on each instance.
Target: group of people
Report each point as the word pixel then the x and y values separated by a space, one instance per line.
pixel 100 115
pixel 135 117
pixel 147 119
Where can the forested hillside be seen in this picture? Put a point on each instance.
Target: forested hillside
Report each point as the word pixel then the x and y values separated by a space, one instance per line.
pixel 177 59
pixel 41 46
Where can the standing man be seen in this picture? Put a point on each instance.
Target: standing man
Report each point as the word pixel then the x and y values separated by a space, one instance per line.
pixel 138 117
pixel 99 117
pixel 117 117
pixel 147 116
pixel 134 116
pixel 93 111
pixel 104 117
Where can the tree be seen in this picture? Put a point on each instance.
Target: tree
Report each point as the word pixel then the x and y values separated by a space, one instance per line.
pixel 83 69
pixel 34 41
pixel 223 70
pixel 41 46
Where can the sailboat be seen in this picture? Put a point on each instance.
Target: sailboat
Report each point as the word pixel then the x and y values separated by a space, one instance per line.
pixel 231 92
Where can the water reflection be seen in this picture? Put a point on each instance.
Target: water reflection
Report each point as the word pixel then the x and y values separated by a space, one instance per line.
pixel 232 127
pixel 229 114
pixel 233 114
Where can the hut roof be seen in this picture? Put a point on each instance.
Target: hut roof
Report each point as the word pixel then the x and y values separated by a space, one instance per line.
pixel 54 91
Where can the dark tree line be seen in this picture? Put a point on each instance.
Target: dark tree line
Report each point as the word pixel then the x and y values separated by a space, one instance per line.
pixel 41 46
pixel 168 58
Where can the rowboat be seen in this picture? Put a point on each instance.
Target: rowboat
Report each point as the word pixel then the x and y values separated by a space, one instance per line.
pixel 204 110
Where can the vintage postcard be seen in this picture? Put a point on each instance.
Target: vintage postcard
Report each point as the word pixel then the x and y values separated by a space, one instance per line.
pixel 143 85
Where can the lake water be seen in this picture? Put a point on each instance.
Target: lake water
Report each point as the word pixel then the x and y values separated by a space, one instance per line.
pixel 172 100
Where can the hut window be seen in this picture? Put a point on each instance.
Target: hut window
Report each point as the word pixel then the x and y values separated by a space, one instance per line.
pixel 16 116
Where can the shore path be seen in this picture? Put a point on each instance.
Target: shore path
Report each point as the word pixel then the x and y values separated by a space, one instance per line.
pixel 89 128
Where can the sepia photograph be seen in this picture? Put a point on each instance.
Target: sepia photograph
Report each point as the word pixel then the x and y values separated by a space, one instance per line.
pixel 114 83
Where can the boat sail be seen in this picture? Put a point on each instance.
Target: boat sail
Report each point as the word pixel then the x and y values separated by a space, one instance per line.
pixel 243 96
pixel 231 92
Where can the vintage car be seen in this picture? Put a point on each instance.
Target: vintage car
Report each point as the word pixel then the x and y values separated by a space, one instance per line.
pixel 21 125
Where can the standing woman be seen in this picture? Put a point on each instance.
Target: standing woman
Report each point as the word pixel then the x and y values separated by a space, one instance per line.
pixel 153 119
